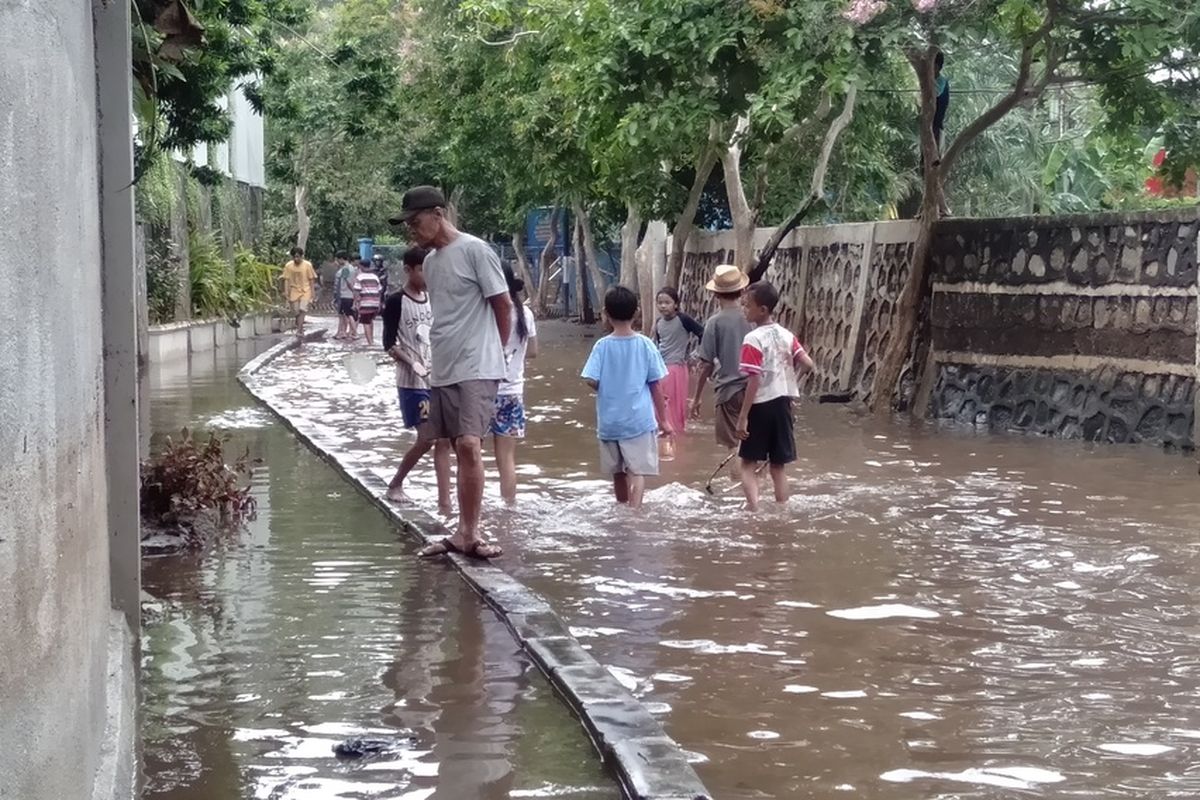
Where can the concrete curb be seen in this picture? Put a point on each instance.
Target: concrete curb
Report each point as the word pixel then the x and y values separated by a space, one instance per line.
pixel 649 764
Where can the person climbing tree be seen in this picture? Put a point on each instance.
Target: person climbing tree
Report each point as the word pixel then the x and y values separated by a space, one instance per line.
pixel 943 99
pixel 942 84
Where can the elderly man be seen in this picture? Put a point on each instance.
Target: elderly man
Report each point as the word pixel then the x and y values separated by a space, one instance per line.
pixel 471 318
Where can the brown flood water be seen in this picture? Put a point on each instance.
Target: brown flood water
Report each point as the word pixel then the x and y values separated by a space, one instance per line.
pixel 317 623
pixel 935 613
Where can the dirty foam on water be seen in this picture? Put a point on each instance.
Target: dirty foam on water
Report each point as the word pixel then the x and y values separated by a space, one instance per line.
pixel 934 613
pixel 317 624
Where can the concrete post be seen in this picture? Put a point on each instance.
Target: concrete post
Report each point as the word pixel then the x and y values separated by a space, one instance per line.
pixel 179 243
pixel 1196 375
pixel 114 98
pixel 859 325
pixel 143 302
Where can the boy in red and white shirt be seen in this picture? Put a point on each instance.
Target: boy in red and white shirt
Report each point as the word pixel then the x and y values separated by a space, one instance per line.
pixel 772 359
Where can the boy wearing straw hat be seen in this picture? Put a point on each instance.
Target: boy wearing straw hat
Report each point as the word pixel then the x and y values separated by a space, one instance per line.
pixel 720 353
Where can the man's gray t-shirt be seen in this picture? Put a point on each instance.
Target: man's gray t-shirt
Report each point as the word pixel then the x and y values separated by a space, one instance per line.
pixel 721 346
pixel 460 278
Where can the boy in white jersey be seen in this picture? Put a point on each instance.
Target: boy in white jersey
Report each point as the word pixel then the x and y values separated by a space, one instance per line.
pixel 407 318
pixel 771 360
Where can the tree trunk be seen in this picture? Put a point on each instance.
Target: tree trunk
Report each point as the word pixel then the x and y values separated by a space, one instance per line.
pixel 583 303
pixel 595 276
pixel 452 204
pixel 651 263
pixel 744 217
pixel 629 246
pixel 525 274
pixel 303 222
pixel 547 260
pixel 683 226
pixel 908 304
pixel 935 169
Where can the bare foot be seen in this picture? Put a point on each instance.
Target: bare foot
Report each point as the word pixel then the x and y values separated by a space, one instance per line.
pixel 396 495
pixel 445 509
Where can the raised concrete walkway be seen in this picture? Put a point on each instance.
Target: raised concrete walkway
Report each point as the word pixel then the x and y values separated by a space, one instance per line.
pixel 649 764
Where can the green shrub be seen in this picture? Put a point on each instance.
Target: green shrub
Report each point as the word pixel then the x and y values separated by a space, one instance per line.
pixel 162 290
pixel 211 276
pixel 254 281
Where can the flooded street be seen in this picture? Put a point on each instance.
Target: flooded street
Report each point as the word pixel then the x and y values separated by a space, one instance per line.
pixel 936 613
pixel 316 624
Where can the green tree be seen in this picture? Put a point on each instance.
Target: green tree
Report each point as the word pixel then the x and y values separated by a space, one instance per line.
pixel 187 56
pixel 1115 47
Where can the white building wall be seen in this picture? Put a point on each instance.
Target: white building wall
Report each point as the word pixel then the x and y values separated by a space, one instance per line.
pixel 243 156
pixel 247 154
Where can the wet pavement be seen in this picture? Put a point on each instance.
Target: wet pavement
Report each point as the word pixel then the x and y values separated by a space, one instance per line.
pixel 935 613
pixel 315 624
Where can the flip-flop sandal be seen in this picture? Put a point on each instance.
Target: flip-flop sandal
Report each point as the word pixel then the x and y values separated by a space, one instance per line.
pixel 447 547
pixel 490 551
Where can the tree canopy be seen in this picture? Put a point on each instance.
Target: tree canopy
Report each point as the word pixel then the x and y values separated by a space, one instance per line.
pixel 669 108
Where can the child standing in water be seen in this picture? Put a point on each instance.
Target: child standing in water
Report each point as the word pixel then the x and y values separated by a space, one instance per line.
pixel 771 360
pixel 673 332
pixel 407 318
pixel 626 372
pixel 508 421
pixel 720 353
pixel 368 297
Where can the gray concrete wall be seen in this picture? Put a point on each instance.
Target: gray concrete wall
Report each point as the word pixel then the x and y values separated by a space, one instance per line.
pixel 58 631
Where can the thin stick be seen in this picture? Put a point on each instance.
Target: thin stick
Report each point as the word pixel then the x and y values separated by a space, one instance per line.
pixel 708 486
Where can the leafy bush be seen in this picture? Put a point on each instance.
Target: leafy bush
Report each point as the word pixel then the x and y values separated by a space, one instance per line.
pixel 254 281
pixel 162 290
pixel 189 477
pixel 211 275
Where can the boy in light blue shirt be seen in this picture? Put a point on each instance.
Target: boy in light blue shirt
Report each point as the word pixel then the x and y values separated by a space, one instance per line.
pixel 625 370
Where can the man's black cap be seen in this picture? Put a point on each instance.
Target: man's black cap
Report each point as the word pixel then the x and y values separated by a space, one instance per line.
pixel 416 200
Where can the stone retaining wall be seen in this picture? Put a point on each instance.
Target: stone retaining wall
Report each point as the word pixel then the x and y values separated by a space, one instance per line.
pixel 1081 327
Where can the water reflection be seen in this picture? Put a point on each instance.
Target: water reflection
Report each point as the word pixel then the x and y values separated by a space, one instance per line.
pixel 316 624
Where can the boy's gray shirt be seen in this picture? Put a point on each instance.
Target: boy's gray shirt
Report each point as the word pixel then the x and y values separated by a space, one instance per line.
pixel 721 346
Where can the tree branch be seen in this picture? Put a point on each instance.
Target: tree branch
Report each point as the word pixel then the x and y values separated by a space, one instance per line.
pixel 789 136
pixel 1020 92
pixel 816 192
pixel 508 41
pixel 683 226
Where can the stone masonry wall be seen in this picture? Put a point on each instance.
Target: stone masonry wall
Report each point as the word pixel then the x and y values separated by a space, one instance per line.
pixel 1080 327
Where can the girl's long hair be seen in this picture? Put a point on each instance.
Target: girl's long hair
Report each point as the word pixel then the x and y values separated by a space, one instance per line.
pixel 515 287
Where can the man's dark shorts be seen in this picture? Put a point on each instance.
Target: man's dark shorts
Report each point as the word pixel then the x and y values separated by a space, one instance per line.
pixel 462 409
pixel 770 429
pixel 346 307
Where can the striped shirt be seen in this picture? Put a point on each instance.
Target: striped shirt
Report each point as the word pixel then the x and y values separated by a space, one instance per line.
pixel 369 290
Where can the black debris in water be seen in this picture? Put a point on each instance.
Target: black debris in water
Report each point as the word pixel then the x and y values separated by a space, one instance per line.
pixel 361 746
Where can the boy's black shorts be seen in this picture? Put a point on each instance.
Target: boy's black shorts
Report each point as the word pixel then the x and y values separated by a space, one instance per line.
pixel 770 429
